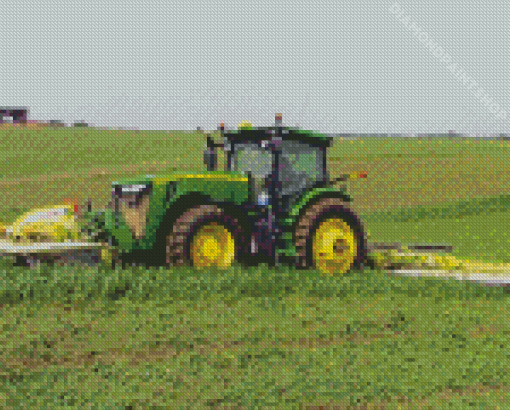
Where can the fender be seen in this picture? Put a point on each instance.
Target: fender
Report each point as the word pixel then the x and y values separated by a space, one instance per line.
pixel 291 219
pixel 311 197
pixel 176 208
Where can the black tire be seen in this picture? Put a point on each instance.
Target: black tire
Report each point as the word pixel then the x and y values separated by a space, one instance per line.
pixel 178 242
pixel 312 218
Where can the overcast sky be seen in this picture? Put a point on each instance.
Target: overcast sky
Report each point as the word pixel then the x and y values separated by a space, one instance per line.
pixel 327 66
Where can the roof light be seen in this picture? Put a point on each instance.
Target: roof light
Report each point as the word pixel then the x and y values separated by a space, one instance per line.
pixel 245 125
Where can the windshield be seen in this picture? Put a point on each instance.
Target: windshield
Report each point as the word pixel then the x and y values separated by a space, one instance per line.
pixel 300 166
pixel 254 159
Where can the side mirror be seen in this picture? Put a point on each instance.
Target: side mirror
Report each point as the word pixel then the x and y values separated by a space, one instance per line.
pixel 210 157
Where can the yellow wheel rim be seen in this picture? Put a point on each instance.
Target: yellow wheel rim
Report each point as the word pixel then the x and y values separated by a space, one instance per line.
pixel 334 246
pixel 213 245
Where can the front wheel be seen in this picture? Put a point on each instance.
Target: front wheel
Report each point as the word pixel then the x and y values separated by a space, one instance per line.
pixel 109 258
pixel 205 236
pixel 212 245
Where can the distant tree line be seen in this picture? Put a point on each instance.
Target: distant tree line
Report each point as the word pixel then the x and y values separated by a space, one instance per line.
pixel 59 123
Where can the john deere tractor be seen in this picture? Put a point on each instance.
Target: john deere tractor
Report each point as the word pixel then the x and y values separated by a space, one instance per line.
pixel 273 203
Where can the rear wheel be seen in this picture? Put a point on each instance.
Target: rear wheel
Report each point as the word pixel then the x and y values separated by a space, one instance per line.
pixel 204 236
pixel 334 246
pixel 330 237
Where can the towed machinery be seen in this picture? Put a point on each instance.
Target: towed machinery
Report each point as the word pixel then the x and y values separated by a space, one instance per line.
pixel 273 203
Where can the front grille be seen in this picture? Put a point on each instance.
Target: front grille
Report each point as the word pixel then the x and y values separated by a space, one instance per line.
pixel 134 210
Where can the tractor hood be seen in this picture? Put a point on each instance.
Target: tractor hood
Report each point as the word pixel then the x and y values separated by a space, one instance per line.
pixel 215 185
pixel 132 184
pixel 139 204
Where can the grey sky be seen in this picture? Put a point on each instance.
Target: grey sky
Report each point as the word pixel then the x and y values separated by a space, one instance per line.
pixel 329 66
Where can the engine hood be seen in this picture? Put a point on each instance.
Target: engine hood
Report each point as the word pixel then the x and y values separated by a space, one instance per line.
pixel 183 176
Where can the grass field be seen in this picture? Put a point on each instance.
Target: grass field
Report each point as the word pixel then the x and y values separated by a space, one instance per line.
pixel 273 338
pixel 438 190
pixel 251 338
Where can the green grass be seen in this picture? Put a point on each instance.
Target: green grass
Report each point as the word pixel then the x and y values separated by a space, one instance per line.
pixel 245 338
pixel 445 190
pixel 273 338
pixel 421 190
pixel 80 163
pixel 50 152
pixel 477 229
pixel 420 181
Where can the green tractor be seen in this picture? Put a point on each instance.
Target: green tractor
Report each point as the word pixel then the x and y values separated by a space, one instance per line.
pixel 274 203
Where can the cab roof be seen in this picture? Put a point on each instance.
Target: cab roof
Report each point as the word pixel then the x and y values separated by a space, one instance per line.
pixel 286 133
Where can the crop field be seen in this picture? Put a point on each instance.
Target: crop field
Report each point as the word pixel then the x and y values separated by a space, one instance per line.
pixel 250 338
pixel 442 190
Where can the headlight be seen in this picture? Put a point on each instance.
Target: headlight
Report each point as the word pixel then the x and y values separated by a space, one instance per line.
pixel 133 189
pixel 130 189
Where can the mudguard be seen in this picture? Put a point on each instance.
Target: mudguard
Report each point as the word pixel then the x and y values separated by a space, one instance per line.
pixel 311 196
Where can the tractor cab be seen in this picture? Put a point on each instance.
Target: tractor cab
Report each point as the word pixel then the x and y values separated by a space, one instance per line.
pixel 282 162
pixel 283 165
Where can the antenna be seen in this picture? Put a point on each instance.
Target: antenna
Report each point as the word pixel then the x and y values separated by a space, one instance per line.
pixel 278 119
